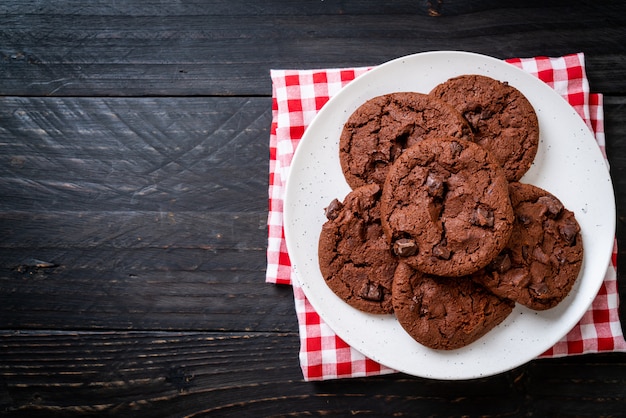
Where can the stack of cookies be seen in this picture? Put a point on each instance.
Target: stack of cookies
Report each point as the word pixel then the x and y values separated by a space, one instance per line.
pixel 438 230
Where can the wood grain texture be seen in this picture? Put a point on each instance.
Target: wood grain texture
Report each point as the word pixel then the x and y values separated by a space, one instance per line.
pixel 158 154
pixel 208 49
pixel 141 373
pixel 136 214
pixel 229 374
pixel 615 132
pixel 69 297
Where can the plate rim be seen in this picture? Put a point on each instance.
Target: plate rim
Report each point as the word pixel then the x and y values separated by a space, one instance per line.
pixel 372 74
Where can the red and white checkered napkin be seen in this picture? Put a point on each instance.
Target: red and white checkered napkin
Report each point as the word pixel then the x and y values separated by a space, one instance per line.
pixel 297 97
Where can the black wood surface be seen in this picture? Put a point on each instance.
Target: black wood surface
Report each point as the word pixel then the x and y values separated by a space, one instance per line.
pixel 133 203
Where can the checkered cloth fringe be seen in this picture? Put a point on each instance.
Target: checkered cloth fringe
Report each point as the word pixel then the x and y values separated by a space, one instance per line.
pixel 297 97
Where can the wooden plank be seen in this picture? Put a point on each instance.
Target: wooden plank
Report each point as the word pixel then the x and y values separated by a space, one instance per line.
pixel 275 7
pixel 257 374
pixel 196 51
pixel 133 261
pixel 134 270
pixel 152 287
pixel 113 154
pixel 239 8
pixel 128 373
pixel 268 8
pixel 615 131
pixel 68 297
pixel 565 391
pixel 210 231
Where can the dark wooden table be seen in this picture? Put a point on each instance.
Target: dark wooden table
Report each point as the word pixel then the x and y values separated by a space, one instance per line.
pixel 133 203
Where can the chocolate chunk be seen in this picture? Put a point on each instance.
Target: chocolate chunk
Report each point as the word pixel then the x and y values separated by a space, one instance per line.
pixel 539 289
pixel 524 219
pixel 569 230
pixel 333 210
pixel 371 291
pixel 525 252
pixel 483 217
pixel 502 263
pixel 442 252
pixel 405 247
pixel 553 205
pixel 435 185
pixel 456 148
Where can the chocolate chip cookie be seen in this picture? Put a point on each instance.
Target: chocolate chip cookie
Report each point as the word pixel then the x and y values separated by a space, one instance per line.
pixel 501 117
pixel 544 255
pixel 354 256
pixel 445 313
pixel 380 129
pixel 445 207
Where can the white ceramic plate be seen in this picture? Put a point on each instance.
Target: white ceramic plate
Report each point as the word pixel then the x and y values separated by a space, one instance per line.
pixel 568 164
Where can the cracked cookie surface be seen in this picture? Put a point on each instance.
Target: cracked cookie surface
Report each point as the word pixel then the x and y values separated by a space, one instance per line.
pixel 501 117
pixel 544 255
pixel 354 256
pixel 442 312
pixel 445 207
pixel 380 129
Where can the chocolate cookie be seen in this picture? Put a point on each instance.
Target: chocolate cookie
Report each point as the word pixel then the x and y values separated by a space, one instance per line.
pixel 544 255
pixel 445 313
pixel 502 119
pixel 445 207
pixel 377 132
pixel 354 256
